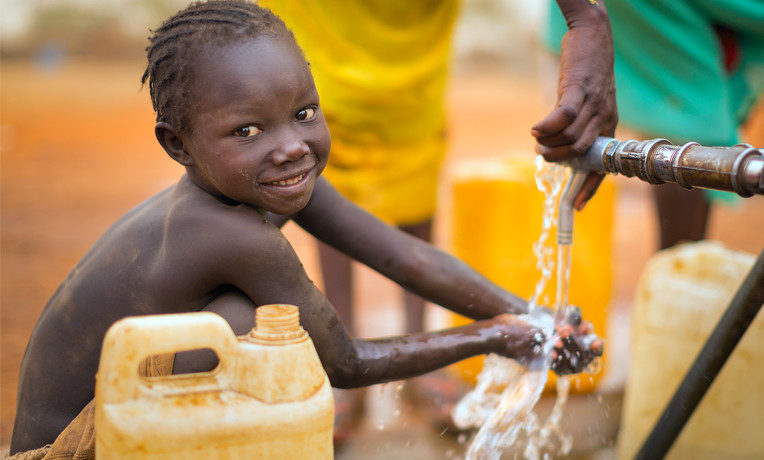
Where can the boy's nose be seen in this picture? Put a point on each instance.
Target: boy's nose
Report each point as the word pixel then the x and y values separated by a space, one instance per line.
pixel 292 150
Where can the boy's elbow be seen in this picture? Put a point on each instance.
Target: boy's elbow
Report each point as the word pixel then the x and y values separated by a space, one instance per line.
pixel 343 377
pixel 343 368
pixel 357 369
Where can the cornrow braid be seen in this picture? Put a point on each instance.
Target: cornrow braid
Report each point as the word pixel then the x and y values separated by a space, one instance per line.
pixel 173 46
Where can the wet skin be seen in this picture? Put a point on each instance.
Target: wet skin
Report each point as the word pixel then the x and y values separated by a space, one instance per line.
pixel 253 154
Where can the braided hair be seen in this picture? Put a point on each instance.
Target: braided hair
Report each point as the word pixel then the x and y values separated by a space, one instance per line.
pixel 173 46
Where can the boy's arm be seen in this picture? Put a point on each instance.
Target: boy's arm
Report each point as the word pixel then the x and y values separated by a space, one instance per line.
pixel 259 261
pixel 414 264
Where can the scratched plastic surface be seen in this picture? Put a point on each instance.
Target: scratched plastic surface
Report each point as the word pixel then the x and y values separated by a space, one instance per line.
pixel 268 398
pixel 682 293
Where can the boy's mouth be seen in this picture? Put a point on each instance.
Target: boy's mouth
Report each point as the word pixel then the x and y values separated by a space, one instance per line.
pixel 289 181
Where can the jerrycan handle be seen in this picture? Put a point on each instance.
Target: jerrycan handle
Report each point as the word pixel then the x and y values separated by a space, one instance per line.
pixel 130 340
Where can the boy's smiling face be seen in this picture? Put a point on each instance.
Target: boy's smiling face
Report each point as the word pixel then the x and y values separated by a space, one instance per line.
pixel 256 132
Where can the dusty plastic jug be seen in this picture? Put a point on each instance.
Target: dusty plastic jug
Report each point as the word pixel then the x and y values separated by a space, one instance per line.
pixel 681 295
pixel 495 219
pixel 269 397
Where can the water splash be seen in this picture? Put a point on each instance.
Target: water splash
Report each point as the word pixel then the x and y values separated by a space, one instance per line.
pixel 502 402
pixel 385 406
pixel 549 179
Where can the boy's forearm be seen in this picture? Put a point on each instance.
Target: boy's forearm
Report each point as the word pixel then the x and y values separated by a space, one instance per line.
pixel 397 358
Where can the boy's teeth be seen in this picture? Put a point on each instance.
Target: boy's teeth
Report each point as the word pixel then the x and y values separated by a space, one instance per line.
pixel 291 181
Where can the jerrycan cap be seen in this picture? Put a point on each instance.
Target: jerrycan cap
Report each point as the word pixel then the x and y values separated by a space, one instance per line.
pixel 277 324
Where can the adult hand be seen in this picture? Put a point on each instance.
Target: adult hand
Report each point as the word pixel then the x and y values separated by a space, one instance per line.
pixel 586 106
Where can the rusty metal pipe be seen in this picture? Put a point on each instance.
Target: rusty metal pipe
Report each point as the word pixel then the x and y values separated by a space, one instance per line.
pixel 738 169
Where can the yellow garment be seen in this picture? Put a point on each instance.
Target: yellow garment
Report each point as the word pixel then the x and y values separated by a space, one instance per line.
pixel 380 67
pixel 77 441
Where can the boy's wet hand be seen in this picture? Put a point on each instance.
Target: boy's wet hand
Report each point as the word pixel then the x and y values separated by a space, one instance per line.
pixel 576 345
pixel 518 340
pixel 573 316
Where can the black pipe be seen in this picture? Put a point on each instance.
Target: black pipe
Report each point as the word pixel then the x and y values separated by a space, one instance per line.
pixel 720 344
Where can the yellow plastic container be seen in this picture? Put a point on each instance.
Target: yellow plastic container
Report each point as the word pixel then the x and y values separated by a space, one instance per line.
pixel 496 214
pixel 268 398
pixel 682 293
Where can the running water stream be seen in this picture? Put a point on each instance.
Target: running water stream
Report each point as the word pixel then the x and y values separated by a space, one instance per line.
pixel 501 404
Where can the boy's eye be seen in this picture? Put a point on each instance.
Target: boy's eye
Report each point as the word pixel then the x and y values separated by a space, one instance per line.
pixel 305 114
pixel 247 131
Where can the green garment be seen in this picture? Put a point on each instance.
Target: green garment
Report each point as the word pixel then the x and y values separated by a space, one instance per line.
pixel 669 66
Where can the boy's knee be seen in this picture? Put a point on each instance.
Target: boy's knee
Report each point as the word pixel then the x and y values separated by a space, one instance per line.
pixel 236 308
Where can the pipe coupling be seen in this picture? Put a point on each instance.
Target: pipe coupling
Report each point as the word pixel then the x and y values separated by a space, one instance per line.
pixel 738 169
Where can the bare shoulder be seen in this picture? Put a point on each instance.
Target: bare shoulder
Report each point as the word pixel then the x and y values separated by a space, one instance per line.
pixel 224 237
pixel 198 222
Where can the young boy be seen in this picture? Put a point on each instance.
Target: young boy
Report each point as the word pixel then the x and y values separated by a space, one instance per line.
pixel 237 108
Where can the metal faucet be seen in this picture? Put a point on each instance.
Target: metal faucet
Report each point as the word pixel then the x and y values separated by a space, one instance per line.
pixel 738 169
pixel 565 211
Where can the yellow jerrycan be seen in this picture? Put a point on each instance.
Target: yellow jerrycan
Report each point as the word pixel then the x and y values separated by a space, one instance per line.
pixel 682 293
pixel 496 217
pixel 268 398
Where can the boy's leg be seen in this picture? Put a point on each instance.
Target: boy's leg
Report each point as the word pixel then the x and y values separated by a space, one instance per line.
pixel 433 394
pixel 337 271
pixel 236 308
pixel 682 214
pixel 413 304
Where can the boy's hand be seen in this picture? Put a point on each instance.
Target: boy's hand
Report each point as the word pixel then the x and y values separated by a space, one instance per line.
pixel 576 344
pixel 518 340
pixel 575 347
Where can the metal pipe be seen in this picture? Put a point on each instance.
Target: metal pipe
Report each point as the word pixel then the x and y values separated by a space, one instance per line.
pixel 719 346
pixel 565 211
pixel 738 169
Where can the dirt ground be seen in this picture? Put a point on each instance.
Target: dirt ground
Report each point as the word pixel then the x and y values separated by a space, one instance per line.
pixel 78 151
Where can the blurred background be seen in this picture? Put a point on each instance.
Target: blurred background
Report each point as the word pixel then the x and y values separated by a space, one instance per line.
pixel 77 151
